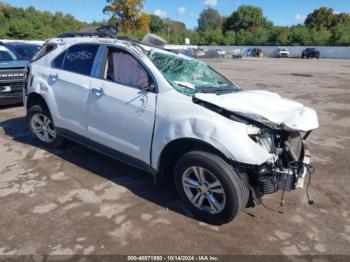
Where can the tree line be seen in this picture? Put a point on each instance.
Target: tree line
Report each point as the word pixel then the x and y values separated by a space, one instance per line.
pixel 29 23
pixel 248 26
pixel 245 26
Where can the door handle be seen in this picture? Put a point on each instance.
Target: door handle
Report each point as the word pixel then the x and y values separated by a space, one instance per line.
pixel 97 91
pixel 53 78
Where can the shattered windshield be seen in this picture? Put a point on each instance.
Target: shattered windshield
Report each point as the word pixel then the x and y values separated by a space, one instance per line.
pixel 190 76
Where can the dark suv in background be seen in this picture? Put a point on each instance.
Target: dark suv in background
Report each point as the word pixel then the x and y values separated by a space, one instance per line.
pixel 23 51
pixel 310 53
pixel 14 59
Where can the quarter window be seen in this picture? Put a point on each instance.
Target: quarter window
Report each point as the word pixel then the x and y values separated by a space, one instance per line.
pixel 80 58
pixel 58 61
pixel 44 50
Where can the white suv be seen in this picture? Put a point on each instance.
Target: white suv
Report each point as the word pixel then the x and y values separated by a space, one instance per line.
pixel 283 52
pixel 172 116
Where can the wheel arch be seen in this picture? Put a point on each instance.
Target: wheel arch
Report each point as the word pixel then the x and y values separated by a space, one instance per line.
pixel 173 151
pixel 36 99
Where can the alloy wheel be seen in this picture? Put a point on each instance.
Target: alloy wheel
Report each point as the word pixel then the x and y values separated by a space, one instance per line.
pixel 204 190
pixel 43 128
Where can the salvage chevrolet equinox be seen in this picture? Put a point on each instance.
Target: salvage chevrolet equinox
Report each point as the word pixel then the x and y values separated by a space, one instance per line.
pixel 173 116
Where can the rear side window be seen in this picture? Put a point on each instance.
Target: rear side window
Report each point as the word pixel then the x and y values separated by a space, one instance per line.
pixel 44 50
pixel 80 58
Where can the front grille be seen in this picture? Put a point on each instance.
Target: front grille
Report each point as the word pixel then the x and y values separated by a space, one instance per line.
pixel 12 75
pixel 16 89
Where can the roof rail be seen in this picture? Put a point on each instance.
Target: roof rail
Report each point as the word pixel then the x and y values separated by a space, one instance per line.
pixel 149 40
pixel 86 34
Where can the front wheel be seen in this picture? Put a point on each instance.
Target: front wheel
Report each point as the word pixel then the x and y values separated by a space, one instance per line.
pixel 41 125
pixel 210 187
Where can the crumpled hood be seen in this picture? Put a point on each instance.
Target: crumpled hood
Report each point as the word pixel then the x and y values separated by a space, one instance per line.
pixel 266 106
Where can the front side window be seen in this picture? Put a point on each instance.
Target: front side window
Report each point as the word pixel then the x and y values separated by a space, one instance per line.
pixel 123 68
pixel 80 58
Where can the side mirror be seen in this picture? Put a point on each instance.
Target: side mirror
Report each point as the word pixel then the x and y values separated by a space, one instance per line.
pixel 150 87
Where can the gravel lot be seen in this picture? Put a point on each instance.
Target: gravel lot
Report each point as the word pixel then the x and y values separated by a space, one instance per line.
pixel 75 201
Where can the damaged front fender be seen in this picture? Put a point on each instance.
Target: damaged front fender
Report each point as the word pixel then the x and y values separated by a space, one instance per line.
pixel 196 122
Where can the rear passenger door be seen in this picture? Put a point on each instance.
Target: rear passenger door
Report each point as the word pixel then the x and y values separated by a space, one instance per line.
pixel 70 80
pixel 121 109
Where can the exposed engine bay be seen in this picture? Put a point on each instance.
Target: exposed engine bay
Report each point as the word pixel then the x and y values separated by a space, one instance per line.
pixel 289 166
pixel 290 160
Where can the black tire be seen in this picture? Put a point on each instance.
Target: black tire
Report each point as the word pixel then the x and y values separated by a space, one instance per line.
pixel 235 189
pixel 40 109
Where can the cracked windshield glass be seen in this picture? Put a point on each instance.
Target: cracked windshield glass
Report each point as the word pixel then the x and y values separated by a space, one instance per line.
pixel 190 76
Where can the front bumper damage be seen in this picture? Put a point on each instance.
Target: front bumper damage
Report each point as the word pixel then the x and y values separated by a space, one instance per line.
pixel 286 172
pixel 279 127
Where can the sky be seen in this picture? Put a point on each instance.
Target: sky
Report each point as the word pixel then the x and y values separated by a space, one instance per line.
pixel 284 13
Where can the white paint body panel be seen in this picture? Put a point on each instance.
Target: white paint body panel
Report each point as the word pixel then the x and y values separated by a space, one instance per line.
pixel 123 118
pixel 68 93
pixel 178 117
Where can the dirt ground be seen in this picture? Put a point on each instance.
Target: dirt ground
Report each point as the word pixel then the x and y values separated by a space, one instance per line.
pixel 75 201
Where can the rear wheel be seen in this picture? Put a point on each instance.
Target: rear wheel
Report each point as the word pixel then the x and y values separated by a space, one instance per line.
pixel 41 125
pixel 210 187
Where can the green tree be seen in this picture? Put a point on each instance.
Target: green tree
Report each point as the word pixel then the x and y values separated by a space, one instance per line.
pixel 211 37
pixel 320 37
pixel 300 35
pixel 321 19
pixel 20 29
pixel 157 24
pixel 261 36
pixel 342 19
pixel 209 19
pixel 247 18
pixel 244 37
pixel 279 36
pixel 193 35
pixel 341 35
pixel 127 13
pixel 19 23
pixel 230 37
pixel 175 31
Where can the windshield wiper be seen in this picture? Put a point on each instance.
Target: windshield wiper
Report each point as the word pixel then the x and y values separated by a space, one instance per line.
pixel 216 90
